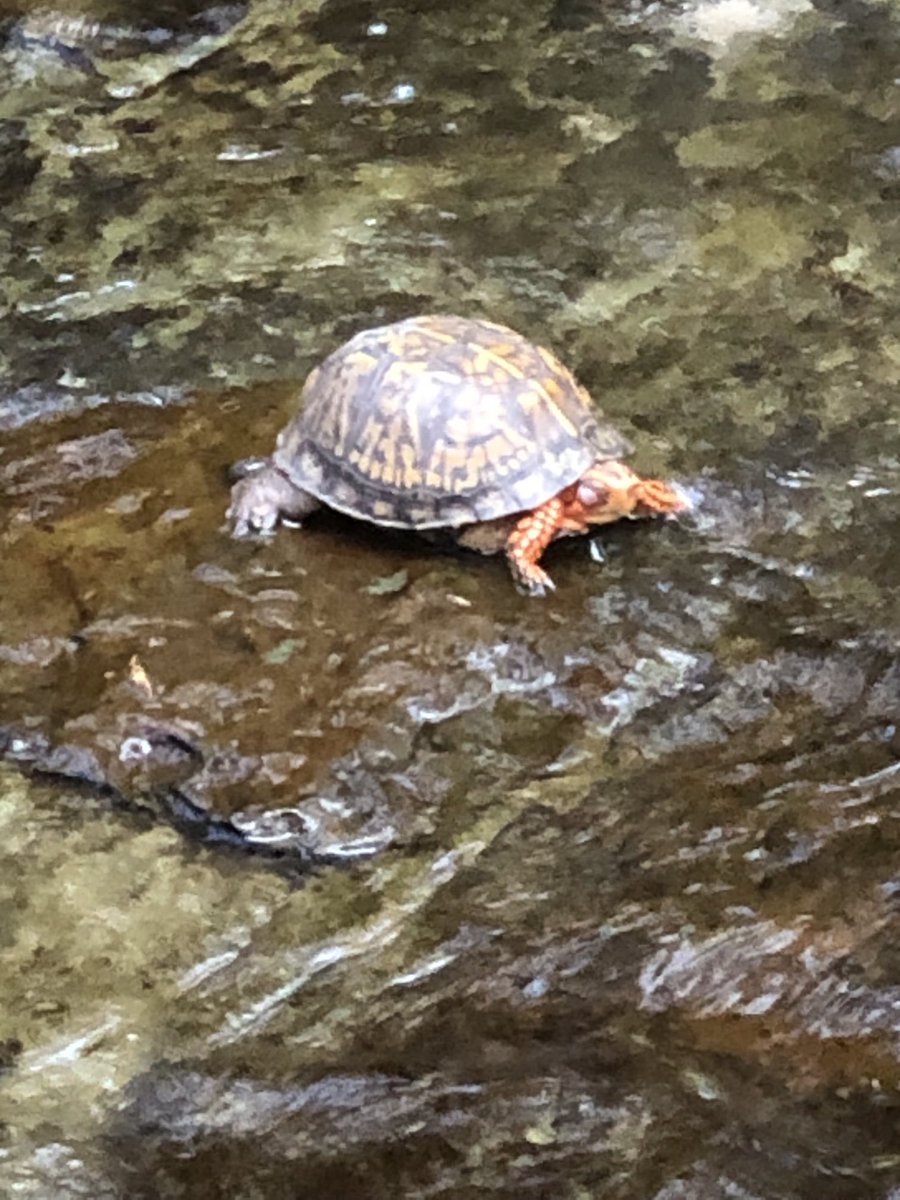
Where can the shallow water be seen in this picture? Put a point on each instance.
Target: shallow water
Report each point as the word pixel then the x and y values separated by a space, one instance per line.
pixel 332 866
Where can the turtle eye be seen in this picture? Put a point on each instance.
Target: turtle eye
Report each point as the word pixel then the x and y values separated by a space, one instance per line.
pixel 589 496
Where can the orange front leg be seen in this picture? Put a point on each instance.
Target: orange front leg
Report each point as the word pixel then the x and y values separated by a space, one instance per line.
pixel 528 541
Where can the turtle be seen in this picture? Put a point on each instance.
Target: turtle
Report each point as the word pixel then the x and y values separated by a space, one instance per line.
pixel 457 424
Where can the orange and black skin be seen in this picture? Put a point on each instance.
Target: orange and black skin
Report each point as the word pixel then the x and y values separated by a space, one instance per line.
pixel 607 492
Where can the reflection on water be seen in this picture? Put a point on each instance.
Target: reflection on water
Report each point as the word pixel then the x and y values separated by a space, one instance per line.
pixel 332 866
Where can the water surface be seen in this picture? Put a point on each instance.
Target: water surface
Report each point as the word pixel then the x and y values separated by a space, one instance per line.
pixel 332 866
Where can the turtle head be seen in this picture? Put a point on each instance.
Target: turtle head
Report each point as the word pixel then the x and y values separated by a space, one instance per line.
pixel 655 497
pixel 609 491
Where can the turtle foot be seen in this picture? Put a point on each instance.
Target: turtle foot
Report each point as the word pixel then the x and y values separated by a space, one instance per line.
pixel 264 498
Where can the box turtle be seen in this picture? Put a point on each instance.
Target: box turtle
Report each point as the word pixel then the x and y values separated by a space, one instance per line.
pixel 440 422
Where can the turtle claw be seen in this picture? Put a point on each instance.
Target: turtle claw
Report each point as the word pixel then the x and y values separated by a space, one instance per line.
pixel 534 582
pixel 540 590
pixel 262 521
pixel 247 515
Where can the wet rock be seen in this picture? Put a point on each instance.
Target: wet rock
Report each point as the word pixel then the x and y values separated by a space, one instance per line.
pixel 98 456
pixel 615 911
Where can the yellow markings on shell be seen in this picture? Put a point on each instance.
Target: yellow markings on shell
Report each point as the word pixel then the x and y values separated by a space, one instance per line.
pixel 435 335
pixel 414 436
pixel 354 365
pixel 555 369
pixel 398 370
pixel 531 401
pixel 390 442
pixel 385 454
pixel 367 448
pixel 504 450
pixel 409 473
pixel 540 391
pixel 478 458
pixel 462 468
pixel 359 361
pixel 483 358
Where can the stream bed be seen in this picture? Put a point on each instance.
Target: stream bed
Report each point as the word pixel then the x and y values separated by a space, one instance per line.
pixel 331 866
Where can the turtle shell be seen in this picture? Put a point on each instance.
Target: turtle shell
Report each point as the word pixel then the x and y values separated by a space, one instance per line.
pixel 441 421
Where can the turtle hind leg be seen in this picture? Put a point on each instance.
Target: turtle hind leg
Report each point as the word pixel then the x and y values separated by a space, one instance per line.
pixel 264 498
pixel 529 539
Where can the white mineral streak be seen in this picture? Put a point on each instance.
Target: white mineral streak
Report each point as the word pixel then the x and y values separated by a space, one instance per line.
pixel 792 973
pixel 723 25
